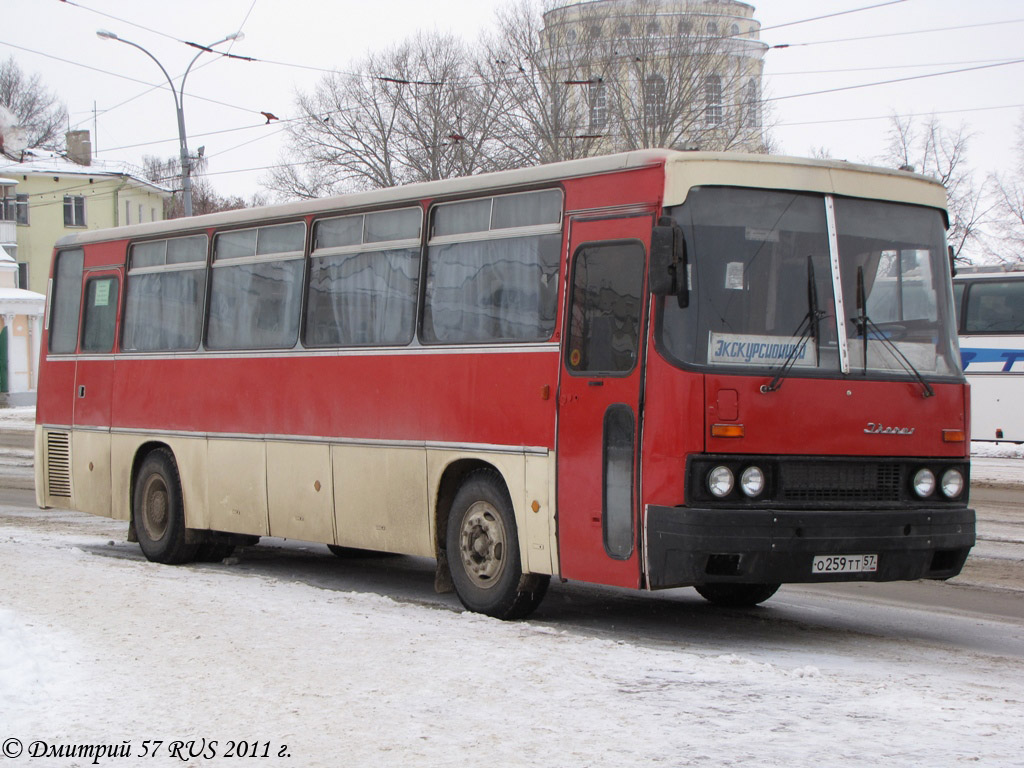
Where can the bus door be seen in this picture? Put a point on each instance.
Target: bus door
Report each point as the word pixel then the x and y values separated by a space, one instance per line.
pixel 94 380
pixel 600 391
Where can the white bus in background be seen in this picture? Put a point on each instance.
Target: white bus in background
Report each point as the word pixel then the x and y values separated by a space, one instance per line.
pixel 990 316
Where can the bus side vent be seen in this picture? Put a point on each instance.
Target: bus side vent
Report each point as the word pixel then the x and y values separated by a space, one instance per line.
pixel 58 464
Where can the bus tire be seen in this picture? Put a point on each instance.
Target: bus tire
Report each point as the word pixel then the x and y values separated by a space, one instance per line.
pixel 737 595
pixel 159 513
pixel 482 546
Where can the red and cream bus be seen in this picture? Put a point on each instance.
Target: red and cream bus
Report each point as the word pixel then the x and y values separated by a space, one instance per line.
pixel 648 370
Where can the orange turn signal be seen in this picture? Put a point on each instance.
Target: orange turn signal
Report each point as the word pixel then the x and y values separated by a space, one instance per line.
pixel 953 436
pixel 727 430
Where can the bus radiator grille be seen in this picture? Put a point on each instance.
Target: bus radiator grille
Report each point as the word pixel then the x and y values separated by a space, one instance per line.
pixel 58 464
pixel 839 481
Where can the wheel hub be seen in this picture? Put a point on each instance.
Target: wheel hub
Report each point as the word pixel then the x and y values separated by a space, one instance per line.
pixel 155 513
pixel 482 544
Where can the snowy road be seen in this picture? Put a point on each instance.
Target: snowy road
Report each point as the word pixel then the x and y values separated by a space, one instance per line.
pixel 356 663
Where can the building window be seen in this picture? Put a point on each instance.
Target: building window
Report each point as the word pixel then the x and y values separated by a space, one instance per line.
pixel 752 106
pixel 127 212
pixel 713 100
pixel 655 95
pixel 597 96
pixel 734 30
pixel 13 207
pixel 74 211
pixel 684 27
pixel 653 28
pixel 712 28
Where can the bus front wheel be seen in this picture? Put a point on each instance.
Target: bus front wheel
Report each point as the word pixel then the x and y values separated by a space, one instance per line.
pixel 483 551
pixel 159 513
pixel 736 595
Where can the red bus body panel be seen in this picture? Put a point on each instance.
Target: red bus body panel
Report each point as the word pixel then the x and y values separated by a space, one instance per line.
pixel 831 418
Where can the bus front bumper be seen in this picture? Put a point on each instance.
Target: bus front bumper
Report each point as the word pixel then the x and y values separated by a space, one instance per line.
pixel 687 546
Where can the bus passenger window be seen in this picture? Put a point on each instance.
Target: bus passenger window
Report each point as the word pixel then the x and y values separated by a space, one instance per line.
pixel 66 300
pixel 604 324
pixel 100 318
pixel 363 281
pixel 492 269
pixel 164 295
pixel 256 286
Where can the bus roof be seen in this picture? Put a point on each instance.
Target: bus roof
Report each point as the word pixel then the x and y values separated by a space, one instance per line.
pixel 684 170
pixel 693 169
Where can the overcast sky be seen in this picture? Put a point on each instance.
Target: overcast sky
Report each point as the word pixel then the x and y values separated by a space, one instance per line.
pixel 58 40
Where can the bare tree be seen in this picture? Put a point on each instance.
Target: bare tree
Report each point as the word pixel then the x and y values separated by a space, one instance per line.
pixel 412 113
pixel 933 150
pixel 32 109
pixel 1007 244
pixel 548 85
pixel 204 198
pixel 542 89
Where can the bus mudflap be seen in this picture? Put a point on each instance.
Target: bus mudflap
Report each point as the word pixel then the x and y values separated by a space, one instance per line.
pixel 686 546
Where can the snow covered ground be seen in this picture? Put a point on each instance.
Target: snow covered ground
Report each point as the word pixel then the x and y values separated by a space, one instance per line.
pixel 99 647
pixel 111 649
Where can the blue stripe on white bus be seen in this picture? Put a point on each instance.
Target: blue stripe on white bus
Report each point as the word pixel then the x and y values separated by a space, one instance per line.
pixel 978 355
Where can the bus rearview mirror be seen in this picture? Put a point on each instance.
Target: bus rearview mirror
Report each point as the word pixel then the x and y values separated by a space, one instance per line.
pixel 668 273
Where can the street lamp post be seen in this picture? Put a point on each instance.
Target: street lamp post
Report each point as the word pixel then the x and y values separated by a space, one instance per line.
pixel 179 105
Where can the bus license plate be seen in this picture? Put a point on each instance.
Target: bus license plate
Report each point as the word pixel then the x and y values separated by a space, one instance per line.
pixel 845 564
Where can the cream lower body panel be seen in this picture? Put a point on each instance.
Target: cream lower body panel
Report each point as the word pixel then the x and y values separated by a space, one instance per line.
pixel 368 496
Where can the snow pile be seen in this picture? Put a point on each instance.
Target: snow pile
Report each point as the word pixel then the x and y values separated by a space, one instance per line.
pixel 348 678
pixel 1001 450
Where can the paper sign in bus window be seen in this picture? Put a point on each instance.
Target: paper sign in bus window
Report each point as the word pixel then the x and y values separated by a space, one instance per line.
pixel 734 276
pixel 753 349
pixel 102 296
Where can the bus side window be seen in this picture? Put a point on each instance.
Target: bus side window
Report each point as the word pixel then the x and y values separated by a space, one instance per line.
pixel 100 317
pixel 66 299
pixel 995 306
pixel 256 287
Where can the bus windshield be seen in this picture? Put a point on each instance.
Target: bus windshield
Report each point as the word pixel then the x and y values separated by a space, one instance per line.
pixel 769 287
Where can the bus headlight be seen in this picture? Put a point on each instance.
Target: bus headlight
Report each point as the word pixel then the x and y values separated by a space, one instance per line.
pixel 752 481
pixel 720 481
pixel 924 483
pixel 952 483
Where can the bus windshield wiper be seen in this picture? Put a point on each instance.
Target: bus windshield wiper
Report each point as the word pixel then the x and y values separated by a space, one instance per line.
pixel 808 329
pixel 865 325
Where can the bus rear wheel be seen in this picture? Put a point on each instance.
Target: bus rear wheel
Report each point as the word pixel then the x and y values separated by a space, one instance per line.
pixel 737 595
pixel 483 551
pixel 159 513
